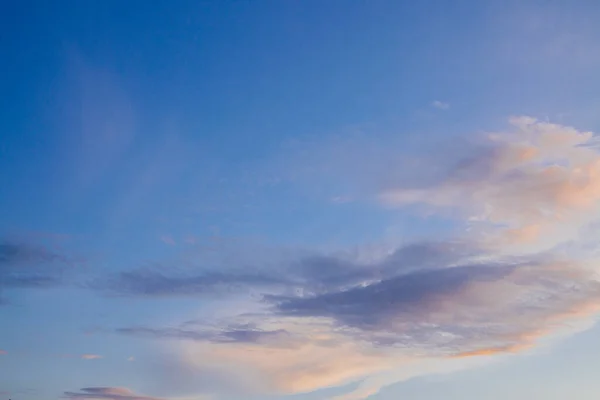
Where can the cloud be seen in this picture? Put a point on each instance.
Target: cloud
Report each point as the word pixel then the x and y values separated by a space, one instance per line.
pixel 440 105
pixel 327 360
pixel 500 286
pixel 132 358
pixel 540 177
pixel 27 265
pixel 14 254
pixel 307 271
pixel 91 356
pixel 229 335
pixel 106 393
pixel 152 283
pixel 3 352
pixel 456 310
pixel 421 301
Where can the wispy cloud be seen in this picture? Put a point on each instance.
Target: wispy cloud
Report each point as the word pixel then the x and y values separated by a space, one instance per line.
pixel 322 318
pixel 456 309
pixel 106 393
pixel 414 294
pixel 440 105
pixel 28 265
pixel 3 352
pixel 429 300
pixel 91 356
pixel 243 334
pixel 153 283
pixel 305 270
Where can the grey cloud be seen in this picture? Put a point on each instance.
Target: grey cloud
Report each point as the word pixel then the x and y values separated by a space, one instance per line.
pixel 323 273
pixel 150 283
pixel 25 265
pixel 372 305
pixel 30 281
pixel 445 297
pixel 227 335
pixel 455 309
pixel 108 393
pixel 20 254
pixel 312 273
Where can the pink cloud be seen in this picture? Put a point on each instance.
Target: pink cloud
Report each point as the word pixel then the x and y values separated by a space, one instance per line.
pixel 538 178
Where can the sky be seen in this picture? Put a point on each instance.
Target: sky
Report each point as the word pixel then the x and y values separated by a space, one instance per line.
pixel 299 200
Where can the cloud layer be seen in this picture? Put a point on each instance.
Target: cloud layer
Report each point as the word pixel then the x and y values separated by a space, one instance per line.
pixel 25 265
pixel 499 286
pixel 106 393
pixel 538 178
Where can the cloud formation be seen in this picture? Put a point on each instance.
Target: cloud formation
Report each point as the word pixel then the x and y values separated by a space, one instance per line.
pixel 153 283
pixel 447 301
pixel 242 334
pixel 326 360
pixel 440 105
pixel 394 311
pixel 539 177
pixel 106 393
pixel 456 310
pixel 91 356
pixel 305 271
pixel 27 265
pixel 499 287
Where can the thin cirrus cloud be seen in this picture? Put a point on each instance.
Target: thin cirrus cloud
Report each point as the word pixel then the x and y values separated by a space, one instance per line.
pixel 448 311
pixel 91 356
pixel 25 265
pixel 499 287
pixel 440 105
pixel 308 271
pixel 106 393
pixel 232 335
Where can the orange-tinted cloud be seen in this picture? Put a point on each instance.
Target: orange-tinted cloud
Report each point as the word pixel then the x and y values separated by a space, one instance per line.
pixel 313 365
pixel 470 298
pixel 490 351
pixel 542 178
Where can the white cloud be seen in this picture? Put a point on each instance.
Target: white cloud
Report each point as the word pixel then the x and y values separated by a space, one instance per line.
pixel 91 356
pixel 440 105
pixel 500 289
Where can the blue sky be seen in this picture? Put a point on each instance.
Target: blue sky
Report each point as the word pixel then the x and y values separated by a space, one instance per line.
pixel 299 200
